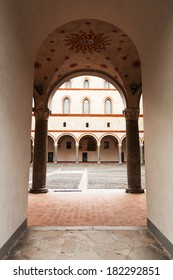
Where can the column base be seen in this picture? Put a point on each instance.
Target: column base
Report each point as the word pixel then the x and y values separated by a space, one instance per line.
pixel 131 190
pixel 38 190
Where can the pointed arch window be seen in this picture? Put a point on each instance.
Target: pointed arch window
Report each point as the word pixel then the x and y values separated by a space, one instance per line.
pixel 86 84
pixel 108 106
pixel 86 107
pixel 66 106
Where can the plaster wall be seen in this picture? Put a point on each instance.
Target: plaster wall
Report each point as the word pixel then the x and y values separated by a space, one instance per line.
pixel 15 119
pixel 158 113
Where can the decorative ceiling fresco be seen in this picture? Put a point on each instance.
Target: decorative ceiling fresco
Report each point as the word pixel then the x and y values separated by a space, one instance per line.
pixel 86 46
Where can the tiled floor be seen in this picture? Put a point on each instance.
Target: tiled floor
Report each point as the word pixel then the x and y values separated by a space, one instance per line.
pixel 80 202
pixel 109 208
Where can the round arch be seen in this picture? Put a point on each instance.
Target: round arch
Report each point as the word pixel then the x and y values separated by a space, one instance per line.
pixel 114 58
pixel 66 151
pixel 109 149
pixel 84 73
pixel 88 148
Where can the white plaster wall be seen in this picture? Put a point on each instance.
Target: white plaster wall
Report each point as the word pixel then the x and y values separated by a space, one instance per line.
pixel 96 98
pixel 158 114
pixel 15 120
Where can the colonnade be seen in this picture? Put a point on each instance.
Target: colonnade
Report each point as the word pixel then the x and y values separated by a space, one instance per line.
pixel 134 151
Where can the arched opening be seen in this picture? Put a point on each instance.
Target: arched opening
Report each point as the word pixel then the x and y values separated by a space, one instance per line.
pixel 50 149
pixel 87 149
pixel 124 150
pixel 109 149
pixel 66 149
pixel 100 116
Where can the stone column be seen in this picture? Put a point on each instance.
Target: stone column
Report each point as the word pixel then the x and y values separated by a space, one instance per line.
pixel 120 152
pixel 98 153
pixel 55 153
pixel 32 151
pixel 77 153
pixel 141 153
pixel 40 151
pixel 133 151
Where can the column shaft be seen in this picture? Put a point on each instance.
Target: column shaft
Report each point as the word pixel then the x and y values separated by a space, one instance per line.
pixel 40 152
pixel 141 154
pixel 120 152
pixel 55 153
pixel 77 153
pixel 133 152
pixel 98 153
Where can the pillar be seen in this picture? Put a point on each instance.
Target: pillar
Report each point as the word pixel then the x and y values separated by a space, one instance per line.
pixel 77 153
pixel 133 151
pixel 98 153
pixel 120 152
pixel 32 151
pixel 40 151
pixel 141 153
pixel 55 153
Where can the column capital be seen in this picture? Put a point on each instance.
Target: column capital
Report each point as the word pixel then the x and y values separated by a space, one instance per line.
pixel 131 113
pixel 77 145
pixel 119 145
pixel 55 145
pixel 41 113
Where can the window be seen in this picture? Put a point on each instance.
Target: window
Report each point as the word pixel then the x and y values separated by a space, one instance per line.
pixel 86 84
pixel 107 84
pixel 87 124
pixel 108 124
pixel 68 84
pixel 86 107
pixel 106 145
pixel 66 106
pixel 108 106
pixel 64 124
pixel 68 145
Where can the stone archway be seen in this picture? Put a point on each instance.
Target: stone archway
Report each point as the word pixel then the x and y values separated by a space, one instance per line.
pixel 67 52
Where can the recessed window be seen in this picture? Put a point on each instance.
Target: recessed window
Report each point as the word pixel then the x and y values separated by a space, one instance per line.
pixel 106 145
pixel 86 107
pixel 64 124
pixel 107 84
pixel 87 124
pixel 86 84
pixel 68 84
pixel 66 106
pixel 108 106
pixel 108 124
pixel 68 145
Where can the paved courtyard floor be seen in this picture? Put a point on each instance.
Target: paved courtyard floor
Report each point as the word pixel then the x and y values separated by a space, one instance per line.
pixel 87 215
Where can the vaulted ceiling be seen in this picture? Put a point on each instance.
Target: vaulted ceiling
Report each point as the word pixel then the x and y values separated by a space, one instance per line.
pixel 87 46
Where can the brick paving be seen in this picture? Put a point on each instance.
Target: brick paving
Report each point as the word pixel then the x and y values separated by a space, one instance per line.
pixel 89 207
